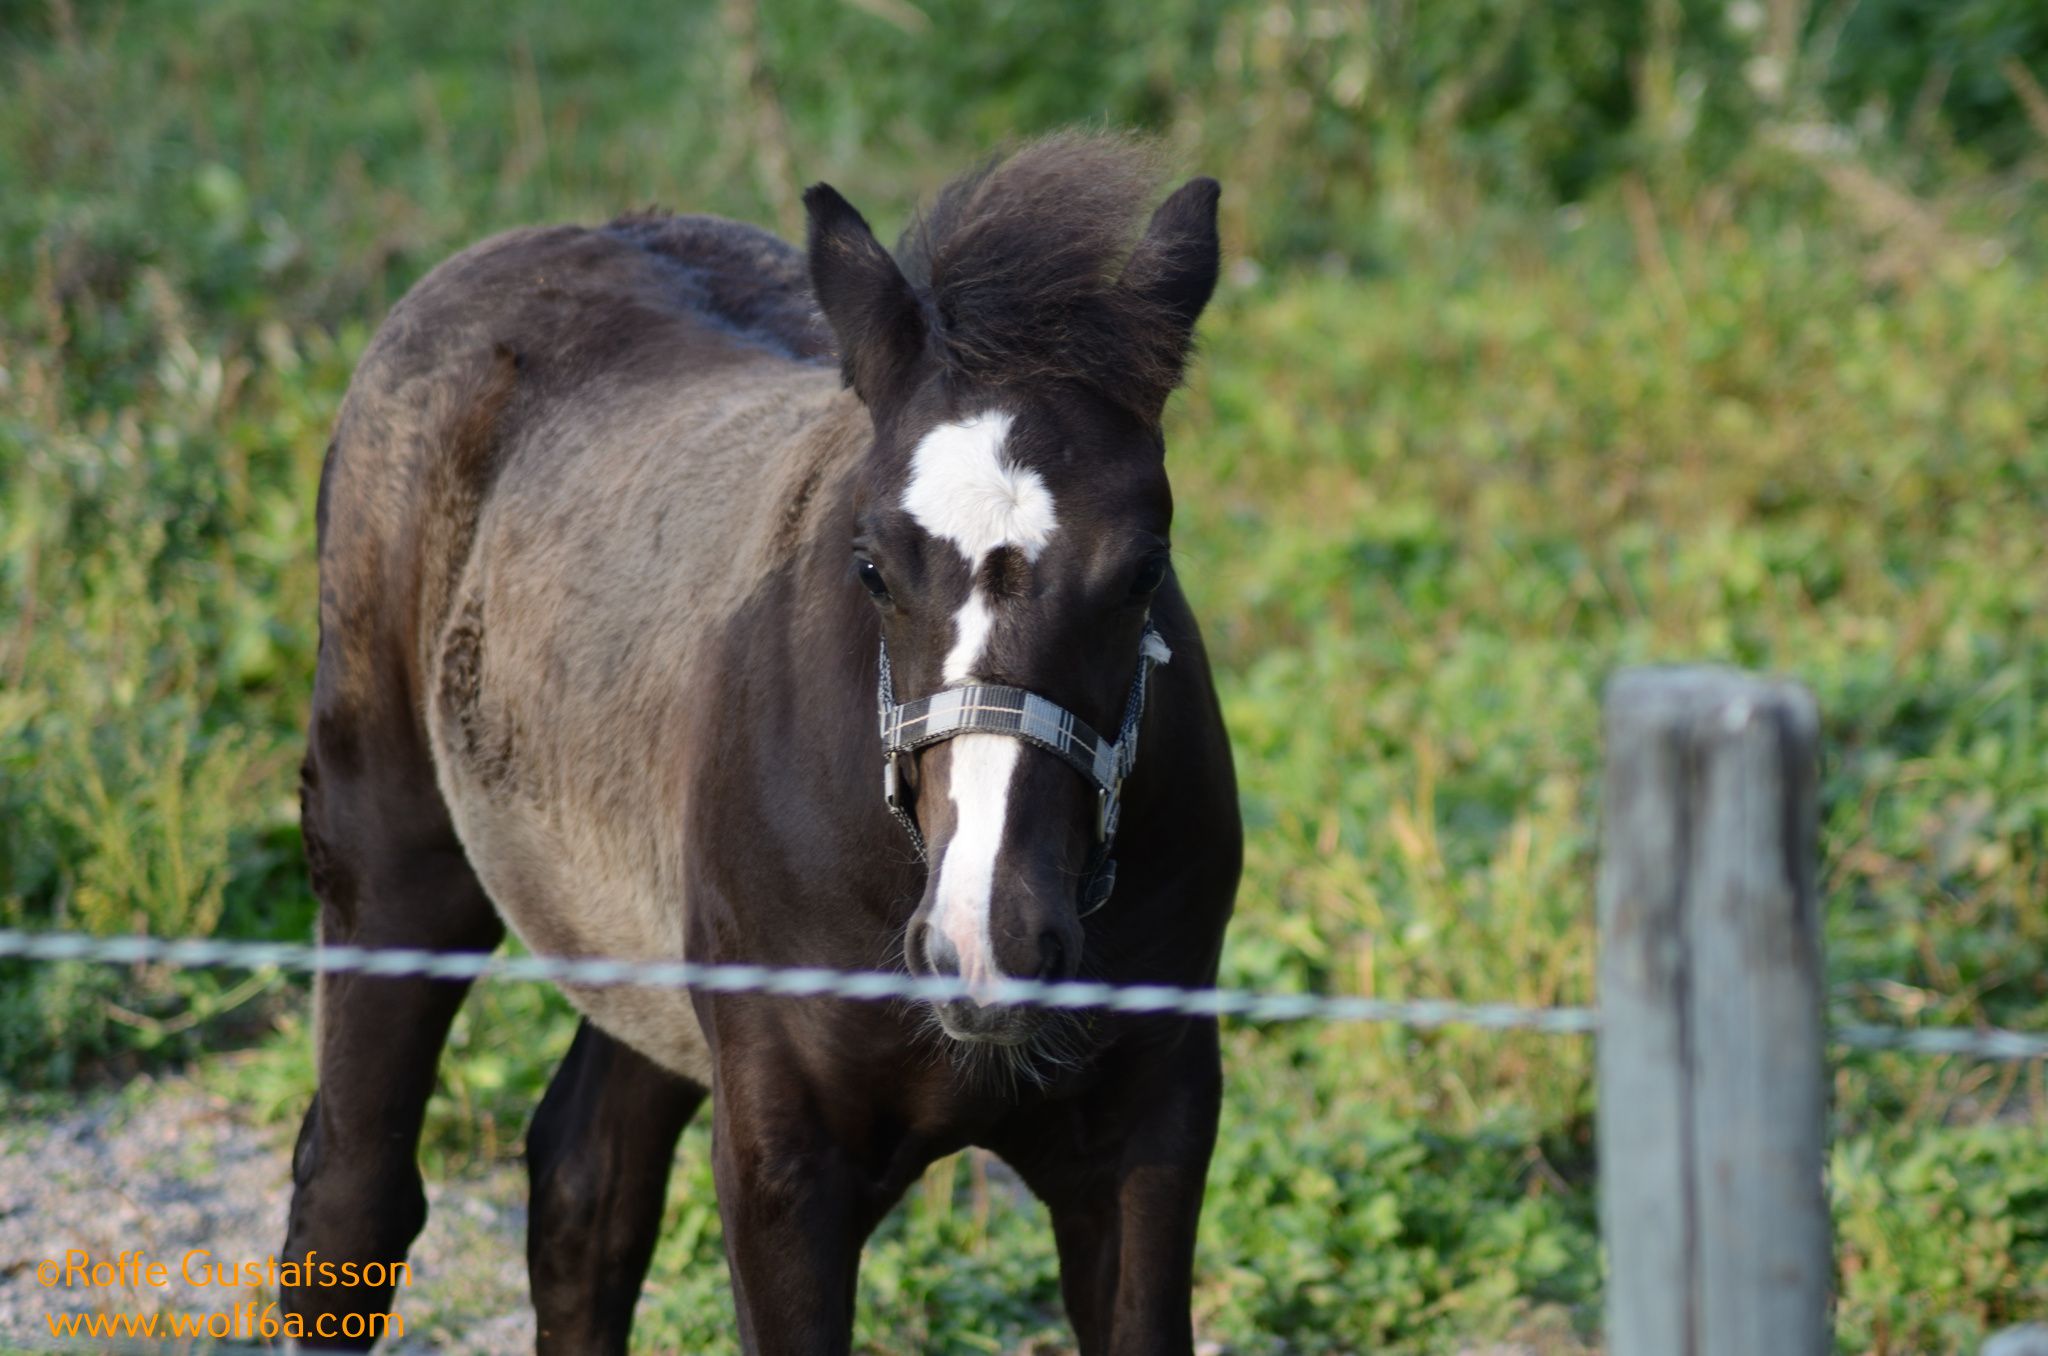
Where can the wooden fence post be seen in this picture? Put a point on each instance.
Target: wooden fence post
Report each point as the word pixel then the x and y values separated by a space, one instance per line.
pixel 1713 1088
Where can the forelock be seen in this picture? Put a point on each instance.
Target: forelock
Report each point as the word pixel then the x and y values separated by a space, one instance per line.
pixel 1017 264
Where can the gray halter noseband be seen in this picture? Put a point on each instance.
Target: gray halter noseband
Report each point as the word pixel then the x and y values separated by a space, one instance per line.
pixel 984 708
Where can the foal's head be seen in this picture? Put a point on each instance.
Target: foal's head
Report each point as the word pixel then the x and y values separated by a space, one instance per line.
pixel 1013 515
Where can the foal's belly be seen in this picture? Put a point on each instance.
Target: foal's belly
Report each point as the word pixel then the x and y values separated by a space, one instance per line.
pixel 561 766
pixel 561 900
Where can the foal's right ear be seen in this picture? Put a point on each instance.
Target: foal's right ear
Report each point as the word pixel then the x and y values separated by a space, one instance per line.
pixel 873 312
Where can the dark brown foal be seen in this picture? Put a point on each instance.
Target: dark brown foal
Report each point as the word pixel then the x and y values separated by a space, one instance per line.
pixel 684 595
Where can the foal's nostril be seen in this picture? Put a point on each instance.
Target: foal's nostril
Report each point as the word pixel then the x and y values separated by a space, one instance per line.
pixel 1052 956
pixel 931 952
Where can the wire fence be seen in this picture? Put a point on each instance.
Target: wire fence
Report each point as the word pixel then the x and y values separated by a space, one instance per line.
pixel 1989 1043
pixel 1711 998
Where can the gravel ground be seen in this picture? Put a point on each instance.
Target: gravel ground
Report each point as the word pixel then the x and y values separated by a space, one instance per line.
pixel 167 1167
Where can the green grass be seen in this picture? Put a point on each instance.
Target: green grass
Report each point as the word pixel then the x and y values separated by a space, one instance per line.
pixel 1452 456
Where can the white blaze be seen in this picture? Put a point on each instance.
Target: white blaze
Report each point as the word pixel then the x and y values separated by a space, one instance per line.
pixel 980 787
pixel 971 626
pixel 964 490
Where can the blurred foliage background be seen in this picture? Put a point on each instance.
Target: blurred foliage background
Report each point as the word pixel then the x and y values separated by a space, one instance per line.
pixel 1554 337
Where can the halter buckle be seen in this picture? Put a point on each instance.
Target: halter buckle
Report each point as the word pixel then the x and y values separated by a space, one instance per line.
pixel 892 784
pixel 1108 800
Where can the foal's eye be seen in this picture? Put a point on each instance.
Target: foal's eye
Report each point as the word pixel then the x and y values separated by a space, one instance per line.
pixel 1149 577
pixel 871 577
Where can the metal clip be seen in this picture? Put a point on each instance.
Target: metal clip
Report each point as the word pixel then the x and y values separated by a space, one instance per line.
pixel 892 784
pixel 1107 800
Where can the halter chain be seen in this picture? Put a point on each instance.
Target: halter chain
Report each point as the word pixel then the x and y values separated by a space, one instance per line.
pixel 986 708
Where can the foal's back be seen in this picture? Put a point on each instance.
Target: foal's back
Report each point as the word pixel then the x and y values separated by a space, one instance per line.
pixel 568 457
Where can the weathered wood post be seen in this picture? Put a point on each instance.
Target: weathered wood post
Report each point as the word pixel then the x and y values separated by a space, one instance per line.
pixel 1713 1090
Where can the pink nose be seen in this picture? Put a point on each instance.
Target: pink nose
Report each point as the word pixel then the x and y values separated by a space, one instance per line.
pixel 959 951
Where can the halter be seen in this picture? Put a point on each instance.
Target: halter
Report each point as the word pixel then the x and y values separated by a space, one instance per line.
pixel 987 708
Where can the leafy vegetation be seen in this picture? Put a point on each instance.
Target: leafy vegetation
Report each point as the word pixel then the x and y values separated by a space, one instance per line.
pixel 1558 338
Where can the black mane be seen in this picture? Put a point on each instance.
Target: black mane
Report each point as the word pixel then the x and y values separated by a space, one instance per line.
pixel 1018 265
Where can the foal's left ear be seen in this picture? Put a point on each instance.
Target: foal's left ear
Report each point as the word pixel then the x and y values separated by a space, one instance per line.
pixel 1174 265
pixel 873 313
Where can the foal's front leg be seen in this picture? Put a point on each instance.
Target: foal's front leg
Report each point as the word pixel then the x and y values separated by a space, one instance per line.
pixel 1121 1170
pixel 599 1152
pixel 795 1209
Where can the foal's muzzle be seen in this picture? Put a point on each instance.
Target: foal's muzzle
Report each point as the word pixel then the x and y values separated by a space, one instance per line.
pixel 965 1019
